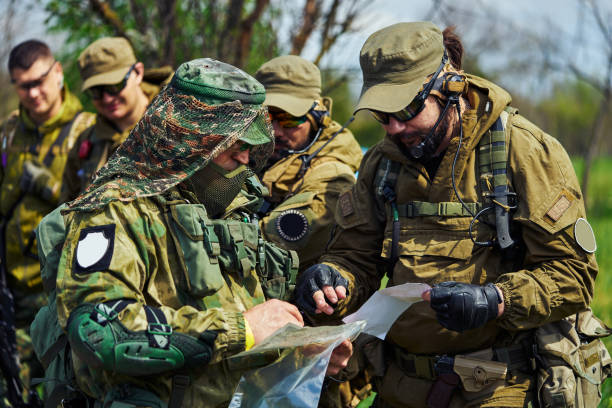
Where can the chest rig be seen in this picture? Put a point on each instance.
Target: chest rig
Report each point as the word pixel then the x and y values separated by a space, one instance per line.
pixel 493 185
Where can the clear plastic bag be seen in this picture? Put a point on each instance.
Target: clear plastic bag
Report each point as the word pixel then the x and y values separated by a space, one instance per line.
pixel 295 378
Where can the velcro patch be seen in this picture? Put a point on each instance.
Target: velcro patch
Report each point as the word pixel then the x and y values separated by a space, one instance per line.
pixel 345 201
pixel 95 248
pixel 561 205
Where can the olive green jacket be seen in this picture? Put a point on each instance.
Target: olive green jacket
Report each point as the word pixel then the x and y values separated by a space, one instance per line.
pixel 22 140
pixel 93 148
pixel 315 194
pixel 552 279
pixel 164 256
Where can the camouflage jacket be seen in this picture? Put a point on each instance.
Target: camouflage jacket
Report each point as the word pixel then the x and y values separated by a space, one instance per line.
pixel 202 274
pixel 312 196
pixel 551 278
pixel 22 140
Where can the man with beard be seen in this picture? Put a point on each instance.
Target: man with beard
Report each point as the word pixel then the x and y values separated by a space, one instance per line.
pixel 34 143
pixel 314 158
pixel 154 289
pixel 120 89
pixel 467 196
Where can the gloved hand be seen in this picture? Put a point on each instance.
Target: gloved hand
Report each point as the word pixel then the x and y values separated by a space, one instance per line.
pixel 316 284
pixel 38 180
pixel 464 306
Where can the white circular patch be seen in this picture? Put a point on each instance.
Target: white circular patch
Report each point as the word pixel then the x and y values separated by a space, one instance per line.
pixel 91 249
pixel 584 235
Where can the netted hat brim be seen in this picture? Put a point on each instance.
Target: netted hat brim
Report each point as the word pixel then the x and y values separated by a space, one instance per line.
pixel 177 136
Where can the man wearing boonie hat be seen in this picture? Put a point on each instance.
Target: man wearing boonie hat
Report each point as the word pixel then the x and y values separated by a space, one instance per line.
pixel 155 290
pixel 120 89
pixel 467 196
pixel 314 158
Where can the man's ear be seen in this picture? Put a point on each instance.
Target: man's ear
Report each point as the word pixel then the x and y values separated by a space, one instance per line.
pixel 139 70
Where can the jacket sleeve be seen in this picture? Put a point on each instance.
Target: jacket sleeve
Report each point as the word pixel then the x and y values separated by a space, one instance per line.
pixel 558 275
pixel 360 225
pixel 136 267
pixel 303 222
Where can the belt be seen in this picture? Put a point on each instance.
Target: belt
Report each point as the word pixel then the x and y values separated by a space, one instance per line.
pixel 424 366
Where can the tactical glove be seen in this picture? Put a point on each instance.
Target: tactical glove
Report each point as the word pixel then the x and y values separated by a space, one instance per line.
pixel 38 180
pixel 314 279
pixel 463 306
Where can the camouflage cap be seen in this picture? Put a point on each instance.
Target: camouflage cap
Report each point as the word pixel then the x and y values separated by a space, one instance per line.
pixel 207 107
pixel 105 62
pixel 215 82
pixel 292 83
pixel 395 62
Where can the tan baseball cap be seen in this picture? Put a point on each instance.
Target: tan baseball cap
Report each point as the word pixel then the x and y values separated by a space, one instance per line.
pixel 292 83
pixel 395 62
pixel 105 61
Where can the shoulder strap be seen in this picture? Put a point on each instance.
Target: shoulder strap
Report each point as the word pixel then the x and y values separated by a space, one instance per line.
pixel 64 132
pixel 8 133
pixel 493 166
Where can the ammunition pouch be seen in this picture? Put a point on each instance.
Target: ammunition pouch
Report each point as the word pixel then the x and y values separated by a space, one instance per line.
pixel 572 361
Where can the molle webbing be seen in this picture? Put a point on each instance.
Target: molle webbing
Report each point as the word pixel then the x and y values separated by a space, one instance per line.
pixel 493 156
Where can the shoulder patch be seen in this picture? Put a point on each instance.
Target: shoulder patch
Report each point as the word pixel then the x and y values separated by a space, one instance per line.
pixel 345 202
pixel 95 248
pixel 292 225
pixel 584 236
pixel 562 204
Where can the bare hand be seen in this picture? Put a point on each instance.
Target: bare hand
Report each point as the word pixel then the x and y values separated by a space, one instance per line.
pixel 265 318
pixel 340 357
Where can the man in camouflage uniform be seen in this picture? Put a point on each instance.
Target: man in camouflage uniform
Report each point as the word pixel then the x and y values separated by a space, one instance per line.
pixel 314 159
pixel 416 212
pixel 34 143
pixel 154 292
pixel 120 89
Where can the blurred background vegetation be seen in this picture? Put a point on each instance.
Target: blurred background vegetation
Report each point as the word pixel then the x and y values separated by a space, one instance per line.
pixel 560 78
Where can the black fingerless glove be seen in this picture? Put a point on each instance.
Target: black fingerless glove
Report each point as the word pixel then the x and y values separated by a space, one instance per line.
pixel 314 279
pixel 463 306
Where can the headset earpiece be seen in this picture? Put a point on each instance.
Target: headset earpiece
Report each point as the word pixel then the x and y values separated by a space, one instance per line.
pixel 453 84
pixel 319 115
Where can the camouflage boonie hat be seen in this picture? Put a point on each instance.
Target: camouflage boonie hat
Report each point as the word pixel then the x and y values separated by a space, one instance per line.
pixel 292 83
pixel 395 62
pixel 105 62
pixel 206 108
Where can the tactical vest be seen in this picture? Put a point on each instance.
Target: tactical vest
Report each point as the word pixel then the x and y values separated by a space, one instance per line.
pixel 492 155
pixel 208 248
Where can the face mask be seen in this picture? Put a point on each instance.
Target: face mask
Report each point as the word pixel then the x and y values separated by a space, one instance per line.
pixel 216 187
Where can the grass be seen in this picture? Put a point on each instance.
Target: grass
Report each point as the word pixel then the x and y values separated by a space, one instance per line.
pixel 600 216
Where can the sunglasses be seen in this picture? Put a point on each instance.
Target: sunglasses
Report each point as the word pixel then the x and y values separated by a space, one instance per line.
pixel 96 92
pixel 416 106
pixel 25 86
pixel 287 120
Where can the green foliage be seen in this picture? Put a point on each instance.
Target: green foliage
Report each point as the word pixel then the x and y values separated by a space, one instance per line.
pixel 570 112
pixel 199 29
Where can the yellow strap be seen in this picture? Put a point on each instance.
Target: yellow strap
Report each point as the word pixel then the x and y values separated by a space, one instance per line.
pixel 250 339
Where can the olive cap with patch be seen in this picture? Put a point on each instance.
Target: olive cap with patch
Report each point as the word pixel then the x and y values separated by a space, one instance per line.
pixel 292 83
pixel 214 82
pixel 105 62
pixel 396 62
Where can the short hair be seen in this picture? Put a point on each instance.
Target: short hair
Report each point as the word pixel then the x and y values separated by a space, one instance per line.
pixel 23 55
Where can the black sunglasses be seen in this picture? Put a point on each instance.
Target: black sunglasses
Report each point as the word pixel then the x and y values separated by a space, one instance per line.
pixel 96 92
pixel 34 83
pixel 418 103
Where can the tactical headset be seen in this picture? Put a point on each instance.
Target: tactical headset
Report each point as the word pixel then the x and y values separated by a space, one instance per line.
pixel 448 87
pixel 319 117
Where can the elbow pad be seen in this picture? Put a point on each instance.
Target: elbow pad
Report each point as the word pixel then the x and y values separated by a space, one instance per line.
pixel 103 342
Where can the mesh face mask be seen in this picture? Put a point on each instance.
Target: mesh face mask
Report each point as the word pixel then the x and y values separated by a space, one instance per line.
pixel 216 187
